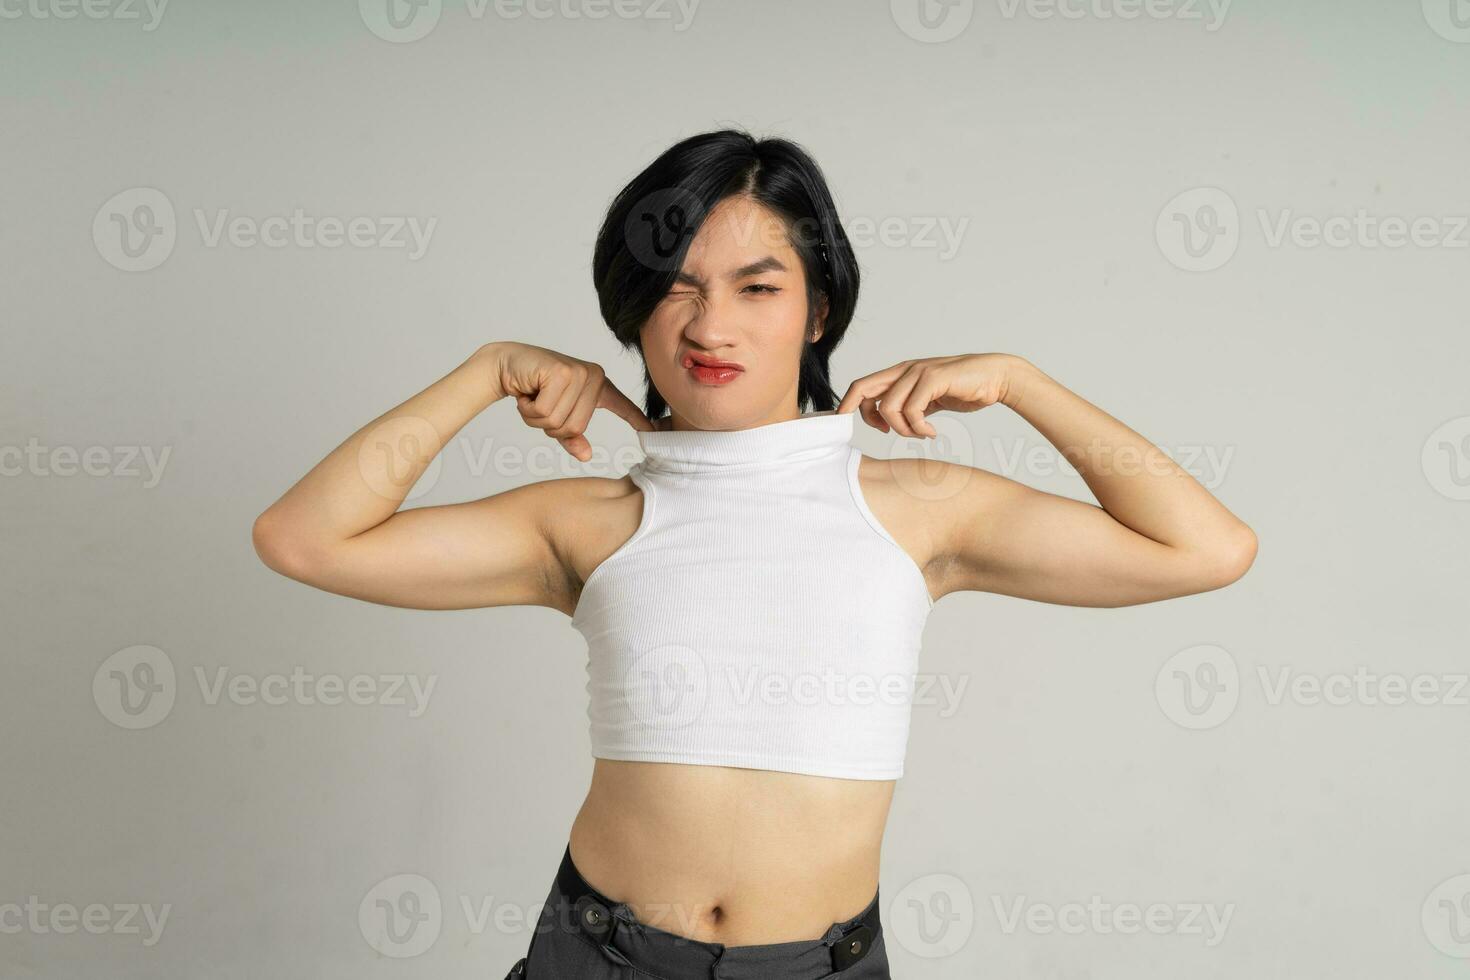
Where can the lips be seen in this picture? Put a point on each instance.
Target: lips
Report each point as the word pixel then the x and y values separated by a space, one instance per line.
pixel 711 370
pixel 692 359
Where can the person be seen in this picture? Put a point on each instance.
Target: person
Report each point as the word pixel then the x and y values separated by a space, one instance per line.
pixel 752 592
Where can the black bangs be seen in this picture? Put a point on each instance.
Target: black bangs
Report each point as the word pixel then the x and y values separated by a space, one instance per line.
pixel 649 225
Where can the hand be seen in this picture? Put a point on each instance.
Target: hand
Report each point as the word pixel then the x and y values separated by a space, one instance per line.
pixel 901 397
pixel 558 394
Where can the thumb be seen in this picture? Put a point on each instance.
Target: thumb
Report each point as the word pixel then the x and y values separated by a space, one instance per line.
pixel 578 446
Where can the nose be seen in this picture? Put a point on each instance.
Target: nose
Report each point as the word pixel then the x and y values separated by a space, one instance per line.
pixel 711 327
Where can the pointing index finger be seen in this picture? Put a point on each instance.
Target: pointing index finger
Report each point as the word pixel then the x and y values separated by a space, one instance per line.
pixel 612 399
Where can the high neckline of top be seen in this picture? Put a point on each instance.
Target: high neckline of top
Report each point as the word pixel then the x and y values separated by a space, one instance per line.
pixel 809 435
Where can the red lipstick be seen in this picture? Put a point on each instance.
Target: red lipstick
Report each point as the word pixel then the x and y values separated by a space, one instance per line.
pixel 711 370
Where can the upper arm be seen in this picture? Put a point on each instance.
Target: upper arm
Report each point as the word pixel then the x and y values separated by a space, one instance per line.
pixel 495 551
pixel 999 535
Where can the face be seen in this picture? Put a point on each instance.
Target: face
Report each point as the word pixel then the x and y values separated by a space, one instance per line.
pixel 724 345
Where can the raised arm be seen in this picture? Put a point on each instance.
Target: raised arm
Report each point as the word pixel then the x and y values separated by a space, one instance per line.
pixel 339 528
pixel 1157 533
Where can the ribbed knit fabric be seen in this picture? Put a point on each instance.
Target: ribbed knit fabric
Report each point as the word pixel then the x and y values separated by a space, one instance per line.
pixel 760 616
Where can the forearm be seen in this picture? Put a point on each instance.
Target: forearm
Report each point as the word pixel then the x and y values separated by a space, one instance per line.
pixel 1134 480
pixel 365 480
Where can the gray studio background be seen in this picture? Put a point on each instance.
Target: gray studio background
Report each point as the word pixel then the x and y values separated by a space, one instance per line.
pixel 1240 229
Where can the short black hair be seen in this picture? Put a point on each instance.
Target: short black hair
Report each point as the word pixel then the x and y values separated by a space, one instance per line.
pixel 649 225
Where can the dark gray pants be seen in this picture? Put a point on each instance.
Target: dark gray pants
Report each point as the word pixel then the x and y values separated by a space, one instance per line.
pixel 583 935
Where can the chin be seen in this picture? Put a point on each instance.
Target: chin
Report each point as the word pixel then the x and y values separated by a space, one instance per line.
pixel 713 408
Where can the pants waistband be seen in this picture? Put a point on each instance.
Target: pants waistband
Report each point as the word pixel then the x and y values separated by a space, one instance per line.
pixel 612 926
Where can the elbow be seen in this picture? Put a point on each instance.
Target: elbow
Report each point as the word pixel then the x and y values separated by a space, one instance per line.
pixel 278 547
pixel 1228 560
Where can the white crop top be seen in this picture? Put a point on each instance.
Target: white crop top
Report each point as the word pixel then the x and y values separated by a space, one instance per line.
pixel 760 616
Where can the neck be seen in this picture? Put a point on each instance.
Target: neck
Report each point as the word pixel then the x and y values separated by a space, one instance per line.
pixel 781 442
pixel 678 423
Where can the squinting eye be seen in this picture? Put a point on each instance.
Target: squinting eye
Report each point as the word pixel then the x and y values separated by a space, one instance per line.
pixel 763 287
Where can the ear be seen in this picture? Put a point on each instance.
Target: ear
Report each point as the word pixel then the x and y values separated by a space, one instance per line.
pixel 820 326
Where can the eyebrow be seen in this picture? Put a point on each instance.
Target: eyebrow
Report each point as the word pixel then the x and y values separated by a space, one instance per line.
pixel 768 264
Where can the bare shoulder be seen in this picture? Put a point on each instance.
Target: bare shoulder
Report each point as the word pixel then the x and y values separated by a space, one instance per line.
pixel 584 519
pixel 921 501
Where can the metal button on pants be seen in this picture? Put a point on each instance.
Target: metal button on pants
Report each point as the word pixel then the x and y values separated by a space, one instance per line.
pixel 584 935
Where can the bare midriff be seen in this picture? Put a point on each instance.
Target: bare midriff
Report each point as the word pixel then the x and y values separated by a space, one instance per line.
pixel 740 857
